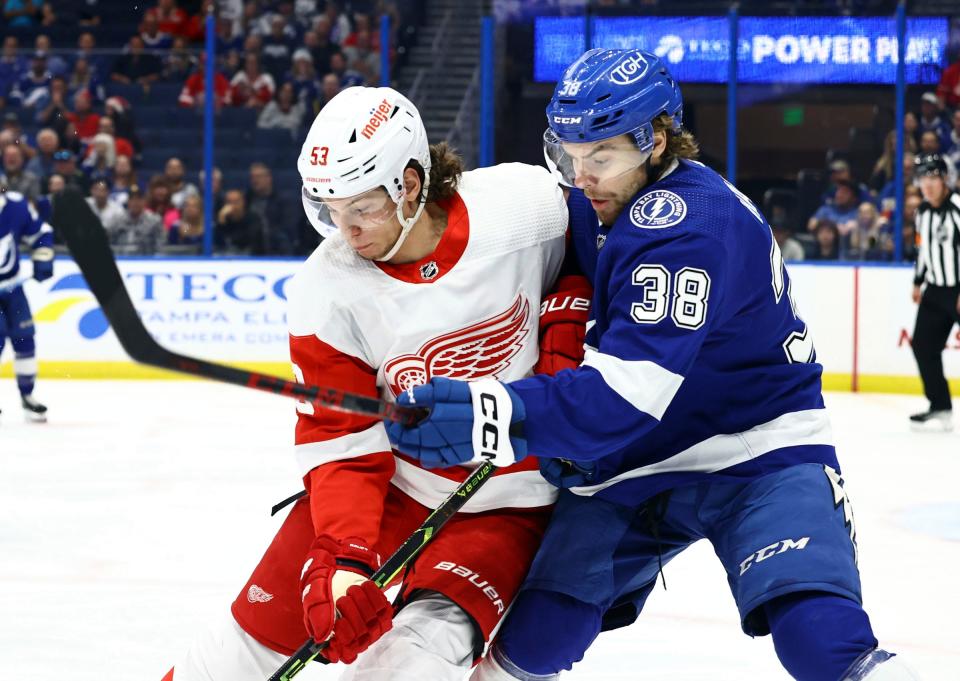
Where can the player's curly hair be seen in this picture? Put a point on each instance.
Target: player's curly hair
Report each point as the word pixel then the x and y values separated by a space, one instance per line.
pixel 679 145
pixel 446 167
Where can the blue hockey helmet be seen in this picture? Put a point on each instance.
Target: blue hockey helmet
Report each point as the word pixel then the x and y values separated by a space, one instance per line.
pixel 606 93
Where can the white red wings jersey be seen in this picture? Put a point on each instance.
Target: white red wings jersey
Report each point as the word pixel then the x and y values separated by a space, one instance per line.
pixel 468 310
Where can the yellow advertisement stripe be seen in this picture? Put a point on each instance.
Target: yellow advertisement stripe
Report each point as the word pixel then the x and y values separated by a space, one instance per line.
pixel 132 370
pixel 53 311
pixel 834 382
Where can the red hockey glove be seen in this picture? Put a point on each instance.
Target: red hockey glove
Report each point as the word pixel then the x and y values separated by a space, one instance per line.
pixel 563 325
pixel 339 599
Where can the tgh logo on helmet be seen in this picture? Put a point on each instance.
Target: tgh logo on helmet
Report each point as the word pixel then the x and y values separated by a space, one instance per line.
pixel 630 70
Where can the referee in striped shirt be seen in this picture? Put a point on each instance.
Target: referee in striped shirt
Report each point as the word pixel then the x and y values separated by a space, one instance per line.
pixel 938 268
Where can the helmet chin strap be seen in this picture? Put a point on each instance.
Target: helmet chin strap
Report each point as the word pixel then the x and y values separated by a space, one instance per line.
pixel 406 224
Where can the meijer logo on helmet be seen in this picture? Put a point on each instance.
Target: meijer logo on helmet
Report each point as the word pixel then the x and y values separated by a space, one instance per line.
pixel 630 70
pixel 380 116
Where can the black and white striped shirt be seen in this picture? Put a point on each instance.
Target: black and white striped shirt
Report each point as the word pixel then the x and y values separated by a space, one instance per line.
pixel 938 255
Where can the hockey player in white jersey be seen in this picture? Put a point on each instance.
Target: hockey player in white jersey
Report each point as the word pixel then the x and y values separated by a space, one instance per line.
pixel 424 271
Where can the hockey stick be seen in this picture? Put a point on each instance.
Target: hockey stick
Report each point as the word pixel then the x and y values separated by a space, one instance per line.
pixel 87 241
pixel 399 560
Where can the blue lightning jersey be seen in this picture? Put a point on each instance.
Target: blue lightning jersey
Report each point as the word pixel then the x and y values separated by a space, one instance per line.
pixel 697 365
pixel 19 223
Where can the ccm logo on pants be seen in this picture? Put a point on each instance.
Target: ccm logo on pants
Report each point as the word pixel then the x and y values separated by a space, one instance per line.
pixel 474 578
pixel 773 550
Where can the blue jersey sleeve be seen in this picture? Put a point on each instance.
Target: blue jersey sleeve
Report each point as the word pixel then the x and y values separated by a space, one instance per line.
pixel 663 295
pixel 37 234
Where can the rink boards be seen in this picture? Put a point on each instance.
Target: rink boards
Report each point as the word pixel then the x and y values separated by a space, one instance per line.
pixel 234 311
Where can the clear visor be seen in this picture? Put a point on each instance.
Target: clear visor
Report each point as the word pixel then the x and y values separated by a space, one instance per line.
pixel 364 211
pixel 591 163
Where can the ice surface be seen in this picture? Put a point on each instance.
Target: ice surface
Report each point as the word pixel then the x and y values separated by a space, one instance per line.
pixel 132 518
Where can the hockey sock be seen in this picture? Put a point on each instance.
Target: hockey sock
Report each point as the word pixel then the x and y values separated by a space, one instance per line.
pixel 818 636
pixel 548 631
pixel 24 363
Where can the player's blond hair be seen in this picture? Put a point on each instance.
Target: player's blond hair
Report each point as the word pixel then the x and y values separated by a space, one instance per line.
pixel 679 145
pixel 446 167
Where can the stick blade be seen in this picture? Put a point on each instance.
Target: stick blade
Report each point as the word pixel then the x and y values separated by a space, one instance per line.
pixel 86 238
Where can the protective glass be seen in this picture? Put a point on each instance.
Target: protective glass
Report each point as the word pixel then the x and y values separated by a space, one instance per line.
pixel 593 162
pixel 365 211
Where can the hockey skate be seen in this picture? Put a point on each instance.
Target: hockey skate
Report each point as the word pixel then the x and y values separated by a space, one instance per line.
pixel 33 410
pixel 939 420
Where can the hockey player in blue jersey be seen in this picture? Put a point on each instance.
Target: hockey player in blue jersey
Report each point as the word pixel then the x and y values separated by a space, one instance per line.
pixel 696 412
pixel 20 224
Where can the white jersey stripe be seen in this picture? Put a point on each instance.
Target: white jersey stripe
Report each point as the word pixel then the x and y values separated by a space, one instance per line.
pixel 522 489
pixel 810 427
pixel 646 385
pixel 370 441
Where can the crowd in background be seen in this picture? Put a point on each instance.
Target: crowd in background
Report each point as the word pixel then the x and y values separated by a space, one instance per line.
pixel 856 219
pixel 66 121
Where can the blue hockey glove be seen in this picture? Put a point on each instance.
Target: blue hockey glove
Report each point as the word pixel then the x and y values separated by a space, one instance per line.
pixel 467 423
pixel 42 263
pixel 566 474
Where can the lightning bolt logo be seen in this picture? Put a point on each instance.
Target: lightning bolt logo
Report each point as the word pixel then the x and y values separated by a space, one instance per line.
pixel 840 498
pixel 657 207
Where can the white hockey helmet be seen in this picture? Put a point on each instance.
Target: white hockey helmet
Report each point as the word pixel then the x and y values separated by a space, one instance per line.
pixel 361 140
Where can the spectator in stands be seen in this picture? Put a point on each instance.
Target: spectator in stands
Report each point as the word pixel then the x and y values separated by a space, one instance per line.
pixel 347 77
pixel 790 248
pixel 217 189
pixel 11 123
pixel 124 178
pixel 842 211
pixel 48 15
pixel 339 23
pixel 154 40
pixel 101 158
pixel 35 84
pixel 15 177
pixel 911 203
pixel 55 63
pixel 12 66
pixel 931 119
pixel 19 13
pixel 304 80
pixel 284 112
pixel 170 18
pixel 888 195
pixel 65 165
pixel 329 88
pixel 83 78
pixel 948 91
pixel 227 40
pixel 194 89
pixel 180 189
pixel 239 231
pixel 87 49
pixel 363 57
pixel 123 146
pixel 871 236
pixel 883 169
pixel 826 241
pixel 55 184
pixel 304 11
pixel 278 47
pixel 41 164
pixel 194 29
pixel 188 230
pixel 83 117
pixel 112 215
pixel 136 65
pixel 142 232
pixel 263 201
pixel 118 109
pixel 839 171
pixel 251 87
pixel 178 63
pixel 319 44
pixel 159 203
pixel 953 148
